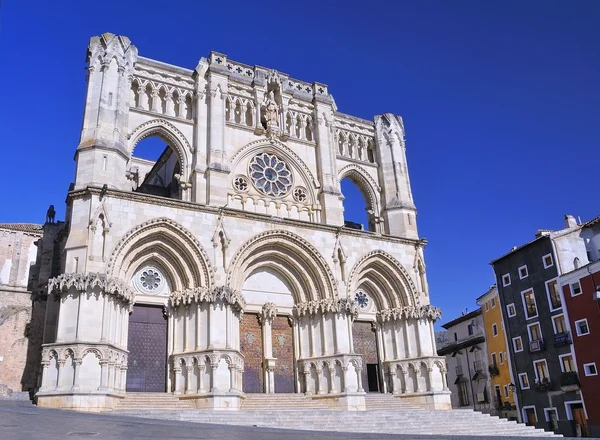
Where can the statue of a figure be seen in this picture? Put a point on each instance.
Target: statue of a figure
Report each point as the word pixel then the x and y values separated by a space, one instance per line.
pixel 50 214
pixel 271 113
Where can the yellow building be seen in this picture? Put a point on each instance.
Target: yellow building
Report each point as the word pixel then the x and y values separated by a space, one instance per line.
pixel 497 351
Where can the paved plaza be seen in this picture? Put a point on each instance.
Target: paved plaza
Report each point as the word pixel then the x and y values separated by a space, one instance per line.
pixel 23 421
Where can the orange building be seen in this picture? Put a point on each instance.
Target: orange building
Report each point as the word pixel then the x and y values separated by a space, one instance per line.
pixel 499 365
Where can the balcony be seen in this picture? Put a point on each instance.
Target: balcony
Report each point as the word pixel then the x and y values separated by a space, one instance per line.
pixel 561 339
pixel 478 366
pixel 459 370
pixel 569 381
pixel 536 345
pixel 493 369
pixel 543 385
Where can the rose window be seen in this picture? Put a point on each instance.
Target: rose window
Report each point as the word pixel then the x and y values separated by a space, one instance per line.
pixel 270 175
pixel 150 279
pixel 362 300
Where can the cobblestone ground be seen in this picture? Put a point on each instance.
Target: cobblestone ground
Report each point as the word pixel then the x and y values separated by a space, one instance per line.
pixel 23 421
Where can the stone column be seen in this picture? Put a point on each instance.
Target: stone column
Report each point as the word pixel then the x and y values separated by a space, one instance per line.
pixel 333 390
pixel 45 378
pixel 170 107
pixel 306 374
pixel 213 376
pixel 189 371
pixel 198 325
pixel 123 379
pixel 429 385
pixel 394 379
pixel 59 366
pixel 405 377
pixel 320 387
pixel 324 343
pixel 103 375
pixel 444 374
pixel 266 317
pixel 177 372
pixel 359 379
pixel 201 369
pixel 76 373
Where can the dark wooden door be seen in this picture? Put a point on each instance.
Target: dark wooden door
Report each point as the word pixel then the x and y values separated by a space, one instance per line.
pixel 283 351
pixel 147 345
pixel 579 419
pixel 530 415
pixel 251 347
pixel 365 344
pixel 373 378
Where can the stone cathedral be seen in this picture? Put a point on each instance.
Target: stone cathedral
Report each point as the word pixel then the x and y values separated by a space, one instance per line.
pixel 224 267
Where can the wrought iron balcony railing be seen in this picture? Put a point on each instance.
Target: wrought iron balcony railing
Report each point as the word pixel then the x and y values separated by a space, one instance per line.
pixel 569 378
pixel 493 369
pixel 543 385
pixel 562 339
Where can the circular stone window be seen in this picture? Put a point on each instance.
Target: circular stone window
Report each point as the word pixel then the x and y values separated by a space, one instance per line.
pixel 270 175
pixel 362 300
pixel 150 280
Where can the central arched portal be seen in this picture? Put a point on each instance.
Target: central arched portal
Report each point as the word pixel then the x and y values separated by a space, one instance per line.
pixel 266 337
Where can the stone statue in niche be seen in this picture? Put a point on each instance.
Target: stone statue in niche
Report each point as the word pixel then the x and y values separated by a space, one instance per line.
pixel 271 111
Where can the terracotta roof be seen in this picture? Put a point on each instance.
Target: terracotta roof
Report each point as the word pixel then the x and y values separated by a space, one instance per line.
pixel 22 227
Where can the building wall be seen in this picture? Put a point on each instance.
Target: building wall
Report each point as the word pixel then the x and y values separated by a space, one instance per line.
pixel 580 307
pixel 18 310
pixel 491 310
pixel 517 326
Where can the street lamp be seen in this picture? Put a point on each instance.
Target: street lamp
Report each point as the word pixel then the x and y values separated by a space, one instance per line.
pixel 512 387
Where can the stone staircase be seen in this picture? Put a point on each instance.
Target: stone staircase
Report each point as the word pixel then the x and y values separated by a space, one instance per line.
pixel 385 414
pixel 150 402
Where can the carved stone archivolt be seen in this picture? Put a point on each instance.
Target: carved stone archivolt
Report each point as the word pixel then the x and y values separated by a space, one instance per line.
pixel 67 283
pixel 218 295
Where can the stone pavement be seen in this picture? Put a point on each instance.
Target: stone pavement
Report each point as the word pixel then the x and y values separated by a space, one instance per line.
pixel 23 421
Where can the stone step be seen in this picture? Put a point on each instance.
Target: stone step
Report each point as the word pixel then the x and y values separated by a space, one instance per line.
pixel 405 421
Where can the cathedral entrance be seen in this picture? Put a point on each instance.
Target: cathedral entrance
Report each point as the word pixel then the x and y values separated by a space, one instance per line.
pixel 365 344
pixel 251 346
pixel 283 351
pixel 147 345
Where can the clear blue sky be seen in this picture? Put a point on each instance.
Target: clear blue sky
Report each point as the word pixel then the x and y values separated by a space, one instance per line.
pixel 500 101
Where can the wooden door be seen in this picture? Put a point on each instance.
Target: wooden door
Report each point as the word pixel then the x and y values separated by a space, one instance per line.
pixel 531 420
pixel 579 419
pixel 147 345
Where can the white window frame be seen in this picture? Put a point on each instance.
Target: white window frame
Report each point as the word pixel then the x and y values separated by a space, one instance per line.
pixel 506 391
pixel 514 346
pixel 547 415
pixel 544 261
pixel 535 372
pixel 506 280
pixel 571 288
pixel 577 327
pixel 560 361
pixel 526 272
pixel 493 301
pixel 569 411
pixel 585 369
pixel 487 307
pixel 524 412
pixel 494 329
pixel 501 357
pixel 514 309
pixel 529 330
pixel 554 318
pixel 537 310
pixel 521 382
pixel 494 359
pixel 550 298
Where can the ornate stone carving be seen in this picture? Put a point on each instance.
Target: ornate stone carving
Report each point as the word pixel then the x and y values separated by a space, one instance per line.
pixel 62 284
pixel 220 294
pixel 268 312
pixel 327 305
pixel 416 312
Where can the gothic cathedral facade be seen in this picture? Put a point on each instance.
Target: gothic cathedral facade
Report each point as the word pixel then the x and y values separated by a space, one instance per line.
pixel 224 267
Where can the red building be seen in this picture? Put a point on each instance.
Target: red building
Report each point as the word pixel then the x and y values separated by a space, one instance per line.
pixel 581 295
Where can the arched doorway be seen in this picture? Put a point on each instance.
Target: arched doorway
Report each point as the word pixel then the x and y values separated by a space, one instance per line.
pixel 266 338
pixel 155 168
pixel 147 346
pixel 357 213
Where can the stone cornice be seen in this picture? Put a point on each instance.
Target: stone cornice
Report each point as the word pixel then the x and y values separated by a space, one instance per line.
pixel 62 285
pixel 233 213
pixel 416 312
pixel 221 294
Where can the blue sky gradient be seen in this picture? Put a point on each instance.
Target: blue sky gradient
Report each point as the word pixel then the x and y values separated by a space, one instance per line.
pixel 500 100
